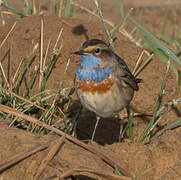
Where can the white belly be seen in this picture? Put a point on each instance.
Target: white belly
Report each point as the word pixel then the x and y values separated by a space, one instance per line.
pixel 106 104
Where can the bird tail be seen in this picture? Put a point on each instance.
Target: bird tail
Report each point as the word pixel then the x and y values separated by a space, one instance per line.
pixel 139 80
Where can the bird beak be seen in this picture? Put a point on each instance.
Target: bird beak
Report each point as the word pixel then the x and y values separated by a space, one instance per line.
pixel 81 52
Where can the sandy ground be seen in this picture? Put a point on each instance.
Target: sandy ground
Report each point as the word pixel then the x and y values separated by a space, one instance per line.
pixel 159 160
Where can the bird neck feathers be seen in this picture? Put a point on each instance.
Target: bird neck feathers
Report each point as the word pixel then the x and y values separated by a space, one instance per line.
pixel 88 71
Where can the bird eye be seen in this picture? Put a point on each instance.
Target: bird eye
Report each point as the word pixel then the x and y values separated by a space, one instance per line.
pixel 97 51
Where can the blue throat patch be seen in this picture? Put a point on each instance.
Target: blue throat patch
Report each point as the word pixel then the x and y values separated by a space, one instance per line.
pixel 87 71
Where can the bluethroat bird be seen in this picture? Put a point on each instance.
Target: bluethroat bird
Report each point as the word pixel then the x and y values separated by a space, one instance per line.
pixel 103 82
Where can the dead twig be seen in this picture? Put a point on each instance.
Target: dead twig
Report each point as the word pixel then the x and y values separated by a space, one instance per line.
pixel 106 159
pixel 21 156
pixel 49 157
pixel 92 172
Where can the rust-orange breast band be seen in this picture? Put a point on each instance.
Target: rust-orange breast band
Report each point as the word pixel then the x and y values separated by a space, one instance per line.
pixel 93 87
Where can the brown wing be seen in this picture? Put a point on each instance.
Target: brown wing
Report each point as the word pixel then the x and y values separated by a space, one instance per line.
pixel 126 75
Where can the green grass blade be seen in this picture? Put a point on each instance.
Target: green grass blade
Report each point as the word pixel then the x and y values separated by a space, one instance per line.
pixel 130 124
pixel 2 80
pixel 118 26
pixel 48 71
pixel 31 83
pixel 160 54
pixel 10 8
pixel 27 62
pixel 115 29
pixel 170 127
pixel 53 60
pixel 172 103
pixel 117 170
pixel 137 30
pixel 179 78
pixel 146 131
pixel 39 6
pixel 156 51
pixel 121 7
pixel 166 38
pixel 28 8
pixel 164 24
pixel 105 25
pixel 69 9
pixel 57 2
pixel 157 43
pixel 140 69
pixel 177 31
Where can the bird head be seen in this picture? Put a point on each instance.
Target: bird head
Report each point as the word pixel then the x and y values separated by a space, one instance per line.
pixel 94 54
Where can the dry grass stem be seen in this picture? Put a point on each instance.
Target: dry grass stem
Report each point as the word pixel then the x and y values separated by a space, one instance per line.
pixel 67 23
pixel 61 111
pixel 139 62
pixel 21 156
pixel 66 67
pixel 41 53
pixel 1 14
pixel 4 40
pixel 3 73
pixel 34 7
pixel 9 13
pixel 60 8
pixel 124 20
pixel 46 54
pixel 133 31
pixel 16 73
pixel 58 38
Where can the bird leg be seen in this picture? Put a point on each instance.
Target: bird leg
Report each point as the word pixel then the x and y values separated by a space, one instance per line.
pixel 97 121
pixel 121 121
